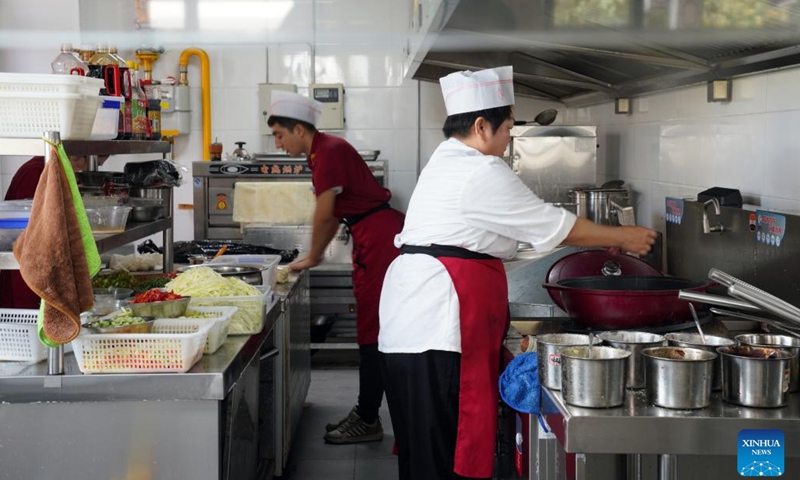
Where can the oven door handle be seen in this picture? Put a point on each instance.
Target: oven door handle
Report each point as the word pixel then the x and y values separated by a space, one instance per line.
pixel 270 354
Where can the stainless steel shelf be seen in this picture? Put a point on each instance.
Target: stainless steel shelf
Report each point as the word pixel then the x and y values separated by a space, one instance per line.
pixel 8 262
pixel 133 232
pixel 35 146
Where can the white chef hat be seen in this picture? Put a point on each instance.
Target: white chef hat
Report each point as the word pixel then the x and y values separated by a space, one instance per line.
pixel 473 91
pixel 291 105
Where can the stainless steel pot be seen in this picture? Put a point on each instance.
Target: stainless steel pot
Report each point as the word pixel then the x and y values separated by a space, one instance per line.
pixel 162 194
pixel 755 376
pixel 693 340
pixel 548 349
pixel 777 341
pixel 633 342
pixel 678 377
pixel 598 204
pixel 596 379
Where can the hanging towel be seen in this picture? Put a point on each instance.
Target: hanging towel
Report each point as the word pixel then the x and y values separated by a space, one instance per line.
pixel 57 254
pixel 274 203
pixel 519 384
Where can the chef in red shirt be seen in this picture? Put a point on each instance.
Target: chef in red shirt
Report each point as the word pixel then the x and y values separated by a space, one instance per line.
pixel 347 192
pixel 14 292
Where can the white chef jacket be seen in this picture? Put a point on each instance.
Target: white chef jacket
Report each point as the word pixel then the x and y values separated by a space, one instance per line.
pixel 466 199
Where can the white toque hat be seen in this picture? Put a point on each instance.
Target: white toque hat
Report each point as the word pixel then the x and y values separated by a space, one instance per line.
pixel 472 91
pixel 297 107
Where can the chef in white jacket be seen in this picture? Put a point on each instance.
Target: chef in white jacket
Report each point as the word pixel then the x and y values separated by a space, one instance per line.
pixel 444 304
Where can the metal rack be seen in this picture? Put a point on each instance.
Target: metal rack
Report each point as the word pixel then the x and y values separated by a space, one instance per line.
pixel 133 232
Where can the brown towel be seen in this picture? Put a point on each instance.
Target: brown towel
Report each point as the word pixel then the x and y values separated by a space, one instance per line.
pixel 51 256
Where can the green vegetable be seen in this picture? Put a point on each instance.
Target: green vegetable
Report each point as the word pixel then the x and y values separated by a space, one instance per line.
pixel 117 279
pixel 155 282
pixel 121 320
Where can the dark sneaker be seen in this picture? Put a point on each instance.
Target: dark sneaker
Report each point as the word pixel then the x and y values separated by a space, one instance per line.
pixel 350 416
pixel 356 431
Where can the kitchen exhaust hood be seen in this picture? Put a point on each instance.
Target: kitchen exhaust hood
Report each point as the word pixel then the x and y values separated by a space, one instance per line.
pixel 583 52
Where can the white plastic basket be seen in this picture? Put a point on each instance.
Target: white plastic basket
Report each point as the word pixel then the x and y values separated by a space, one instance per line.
pixel 19 338
pixel 156 352
pixel 221 322
pixel 49 83
pixel 28 115
pixel 249 318
pixel 268 262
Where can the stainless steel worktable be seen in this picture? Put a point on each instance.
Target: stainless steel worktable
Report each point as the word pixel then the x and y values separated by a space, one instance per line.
pixel 210 379
pixel 638 427
pixel 198 425
pixel 642 441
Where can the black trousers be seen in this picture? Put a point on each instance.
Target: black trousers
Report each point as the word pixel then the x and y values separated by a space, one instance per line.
pixel 422 391
pixel 370 382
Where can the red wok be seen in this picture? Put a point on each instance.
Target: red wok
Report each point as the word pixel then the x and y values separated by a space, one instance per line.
pixel 626 302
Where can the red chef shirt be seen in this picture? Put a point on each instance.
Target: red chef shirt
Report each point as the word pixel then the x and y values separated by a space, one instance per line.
pixel 14 292
pixel 335 163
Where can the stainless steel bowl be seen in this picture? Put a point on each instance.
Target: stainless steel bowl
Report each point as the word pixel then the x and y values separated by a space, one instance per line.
pixel 112 293
pixel 755 376
pixel 548 348
pixel 250 274
pixel 693 340
pixel 146 213
pixel 144 327
pixel 634 342
pixel 595 380
pixel 777 341
pixel 166 309
pixel 678 377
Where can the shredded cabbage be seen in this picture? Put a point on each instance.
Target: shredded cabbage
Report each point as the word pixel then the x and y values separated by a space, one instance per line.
pixel 205 285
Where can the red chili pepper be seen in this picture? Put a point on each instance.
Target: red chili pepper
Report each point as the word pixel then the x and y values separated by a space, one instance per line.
pixel 155 295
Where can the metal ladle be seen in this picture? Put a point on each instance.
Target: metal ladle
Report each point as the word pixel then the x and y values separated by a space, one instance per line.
pixel 697 322
pixel 545 117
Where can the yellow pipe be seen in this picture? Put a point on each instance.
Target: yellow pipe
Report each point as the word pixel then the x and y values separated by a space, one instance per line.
pixel 205 75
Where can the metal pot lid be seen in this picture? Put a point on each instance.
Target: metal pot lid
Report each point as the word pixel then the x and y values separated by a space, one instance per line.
pixel 226 270
pixel 591 263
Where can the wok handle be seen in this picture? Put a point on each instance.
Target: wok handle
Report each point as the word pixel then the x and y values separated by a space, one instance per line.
pixel 716 300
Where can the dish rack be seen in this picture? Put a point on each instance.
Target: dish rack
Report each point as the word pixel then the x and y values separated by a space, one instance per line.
pixel 174 346
pixel 220 325
pixel 19 338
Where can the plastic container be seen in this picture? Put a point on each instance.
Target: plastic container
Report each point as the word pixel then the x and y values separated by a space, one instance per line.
pixel 10 229
pixel 37 83
pixel 269 263
pixel 161 351
pixel 249 318
pixel 28 114
pixel 110 219
pixel 19 339
pixel 221 321
pixel 106 122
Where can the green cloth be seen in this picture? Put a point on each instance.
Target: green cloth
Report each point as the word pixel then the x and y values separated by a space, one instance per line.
pixel 89 245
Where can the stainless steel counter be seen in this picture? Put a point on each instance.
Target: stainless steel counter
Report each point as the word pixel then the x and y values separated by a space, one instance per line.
pixel 210 379
pixel 203 424
pixel 638 427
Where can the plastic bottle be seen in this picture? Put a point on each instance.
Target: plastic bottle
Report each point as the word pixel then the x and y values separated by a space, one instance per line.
pixel 126 84
pixel 86 53
pixel 153 93
pixel 141 125
pixel 68 62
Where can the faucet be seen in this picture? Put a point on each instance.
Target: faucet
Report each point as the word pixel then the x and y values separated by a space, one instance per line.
pixel 712 228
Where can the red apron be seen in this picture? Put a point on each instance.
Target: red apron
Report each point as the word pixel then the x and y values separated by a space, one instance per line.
pixel 373 251
pixel 482 291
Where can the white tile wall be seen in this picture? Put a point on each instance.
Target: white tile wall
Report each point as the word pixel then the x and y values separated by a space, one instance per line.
pixel 677 144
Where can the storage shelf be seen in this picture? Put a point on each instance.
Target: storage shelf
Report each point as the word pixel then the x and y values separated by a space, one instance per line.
pixel 35 147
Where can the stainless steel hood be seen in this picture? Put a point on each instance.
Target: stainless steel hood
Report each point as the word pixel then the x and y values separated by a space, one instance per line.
pixel 582 52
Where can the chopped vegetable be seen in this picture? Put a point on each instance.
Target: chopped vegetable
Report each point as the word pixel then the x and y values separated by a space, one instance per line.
pixel 155 295
pixel 204 285
pixel 117 279
pixel 154 282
